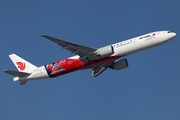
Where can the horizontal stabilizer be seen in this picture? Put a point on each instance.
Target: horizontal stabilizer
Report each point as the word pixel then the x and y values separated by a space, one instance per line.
pixel 22 82
pixel 16 73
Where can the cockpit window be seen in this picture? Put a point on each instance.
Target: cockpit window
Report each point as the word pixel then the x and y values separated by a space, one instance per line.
pixel 169 31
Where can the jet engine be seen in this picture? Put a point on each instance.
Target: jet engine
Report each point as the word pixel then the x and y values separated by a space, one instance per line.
pixel 120 64
pixel 104 51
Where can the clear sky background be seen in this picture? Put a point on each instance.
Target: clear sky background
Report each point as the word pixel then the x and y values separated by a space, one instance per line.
pixel 149 89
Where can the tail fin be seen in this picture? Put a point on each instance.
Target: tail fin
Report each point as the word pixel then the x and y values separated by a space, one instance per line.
pixel 21 64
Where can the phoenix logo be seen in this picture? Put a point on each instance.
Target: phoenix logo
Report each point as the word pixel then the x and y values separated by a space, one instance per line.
pixel 21 65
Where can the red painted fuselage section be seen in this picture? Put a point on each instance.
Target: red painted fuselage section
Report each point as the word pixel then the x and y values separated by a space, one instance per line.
pixel 67 65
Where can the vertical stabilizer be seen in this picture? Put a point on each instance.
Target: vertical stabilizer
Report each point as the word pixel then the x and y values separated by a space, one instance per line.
pixel 21 64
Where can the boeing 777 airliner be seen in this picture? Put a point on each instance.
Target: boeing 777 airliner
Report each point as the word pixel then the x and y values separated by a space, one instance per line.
pixel 98 59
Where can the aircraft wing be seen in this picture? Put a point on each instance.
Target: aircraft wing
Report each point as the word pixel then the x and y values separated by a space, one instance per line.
pixel 80 50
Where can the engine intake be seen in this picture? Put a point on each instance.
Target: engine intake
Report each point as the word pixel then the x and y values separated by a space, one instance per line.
pixel 120 64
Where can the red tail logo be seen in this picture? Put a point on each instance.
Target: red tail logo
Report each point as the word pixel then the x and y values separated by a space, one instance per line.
pixel 21 65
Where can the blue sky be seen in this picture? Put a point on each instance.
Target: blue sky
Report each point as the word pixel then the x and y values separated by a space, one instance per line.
pixel 147 90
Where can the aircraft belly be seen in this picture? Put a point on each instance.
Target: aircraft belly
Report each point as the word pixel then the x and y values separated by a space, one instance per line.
pixel 100 62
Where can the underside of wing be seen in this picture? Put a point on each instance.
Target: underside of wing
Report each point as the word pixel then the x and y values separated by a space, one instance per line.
pixel 72 47
pixel 98 70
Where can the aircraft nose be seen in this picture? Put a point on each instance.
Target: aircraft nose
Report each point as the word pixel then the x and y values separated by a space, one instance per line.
pixel 172 35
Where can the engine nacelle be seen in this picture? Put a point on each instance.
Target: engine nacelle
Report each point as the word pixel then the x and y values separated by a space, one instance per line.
pixel 120 64
pixel 105 51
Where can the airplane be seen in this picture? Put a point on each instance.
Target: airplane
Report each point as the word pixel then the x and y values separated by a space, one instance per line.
pixel 97 59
